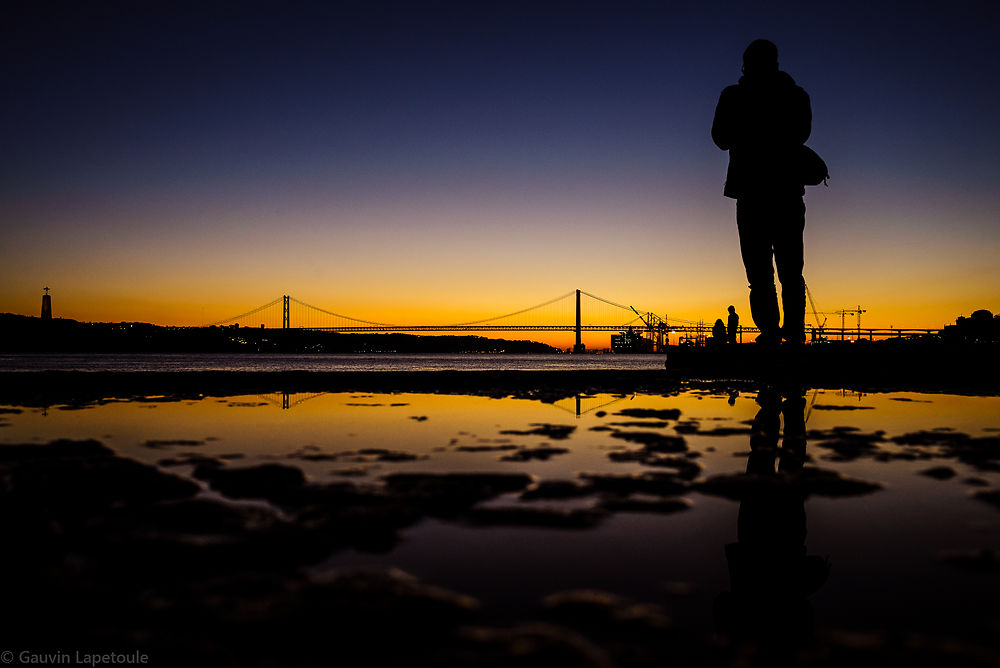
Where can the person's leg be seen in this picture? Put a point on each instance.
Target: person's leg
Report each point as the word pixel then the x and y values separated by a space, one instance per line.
pixel 793 444
pixel 788 257
pixel 752 218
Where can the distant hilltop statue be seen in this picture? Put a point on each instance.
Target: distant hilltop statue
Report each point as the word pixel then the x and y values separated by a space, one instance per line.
pixel 46 305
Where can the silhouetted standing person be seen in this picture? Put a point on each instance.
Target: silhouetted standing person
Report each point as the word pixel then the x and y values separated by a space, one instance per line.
pixel 762 121
pixel 719 332
pixel 732 324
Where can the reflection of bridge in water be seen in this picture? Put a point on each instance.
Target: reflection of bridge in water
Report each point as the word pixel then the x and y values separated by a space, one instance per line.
pixel 286 400
pixel 584 403
pixel 576 311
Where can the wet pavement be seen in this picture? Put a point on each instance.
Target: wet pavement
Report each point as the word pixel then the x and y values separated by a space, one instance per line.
pixel 703 524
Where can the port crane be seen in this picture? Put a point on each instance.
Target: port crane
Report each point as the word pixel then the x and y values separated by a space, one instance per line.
pixel 656 326
pixel 817 334
pixel 844 312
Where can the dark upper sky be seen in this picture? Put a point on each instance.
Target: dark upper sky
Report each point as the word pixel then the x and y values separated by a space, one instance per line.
pixel 167 127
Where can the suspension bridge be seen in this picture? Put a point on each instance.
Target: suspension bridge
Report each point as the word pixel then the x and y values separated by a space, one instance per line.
pixel 575 311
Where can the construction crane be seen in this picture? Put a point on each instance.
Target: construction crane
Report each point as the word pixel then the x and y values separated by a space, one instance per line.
pixel 817 334
pixel 844 312
pixel 656 327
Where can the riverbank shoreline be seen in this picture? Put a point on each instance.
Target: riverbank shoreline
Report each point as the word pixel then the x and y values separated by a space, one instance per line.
pixel 55 387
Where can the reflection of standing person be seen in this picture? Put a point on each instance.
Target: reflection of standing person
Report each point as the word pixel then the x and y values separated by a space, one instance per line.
pixel 733 324
pixel 771 573
pixel 762 121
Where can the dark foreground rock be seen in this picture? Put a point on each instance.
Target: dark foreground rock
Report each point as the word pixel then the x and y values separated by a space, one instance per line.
pixel 67 481
pixel 651 483
pixel 651 413
pixel 554 431
pixel 542 453
pixel 105 553
pixel 984 560
pixel 807 482
pixel 274 482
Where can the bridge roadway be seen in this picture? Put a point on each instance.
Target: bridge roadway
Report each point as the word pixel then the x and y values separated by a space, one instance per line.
pixel 478 328
pixel 827 332
pixel 656 328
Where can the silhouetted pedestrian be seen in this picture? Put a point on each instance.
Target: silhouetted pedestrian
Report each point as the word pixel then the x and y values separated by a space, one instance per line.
pixel 733 324
pixel 719 332
pixel 763 121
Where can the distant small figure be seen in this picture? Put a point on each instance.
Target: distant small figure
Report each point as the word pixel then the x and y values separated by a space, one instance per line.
pixel 733 325
pixel 763 121
pixel 718 332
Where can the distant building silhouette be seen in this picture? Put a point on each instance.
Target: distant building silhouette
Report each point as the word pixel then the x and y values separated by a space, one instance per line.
pixel 981 326
pixel 46 305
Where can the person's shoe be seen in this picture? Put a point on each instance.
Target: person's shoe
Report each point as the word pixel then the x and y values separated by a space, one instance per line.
pixel 793 337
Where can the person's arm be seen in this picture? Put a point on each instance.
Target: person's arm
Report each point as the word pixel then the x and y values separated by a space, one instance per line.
pixel 722 125
pixel 803 125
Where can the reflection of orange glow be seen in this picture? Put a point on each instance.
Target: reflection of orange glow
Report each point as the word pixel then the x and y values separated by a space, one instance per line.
pixel 256 425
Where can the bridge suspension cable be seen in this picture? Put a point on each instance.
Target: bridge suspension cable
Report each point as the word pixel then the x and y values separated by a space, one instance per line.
pixel 629 308
pixel 606 301
pixel 247 314
pixel 510 315
pixel 623 307
pixel 596 321
pixel 337 315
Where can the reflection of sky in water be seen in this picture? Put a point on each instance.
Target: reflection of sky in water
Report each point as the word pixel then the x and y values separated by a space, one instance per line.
pixel 883 546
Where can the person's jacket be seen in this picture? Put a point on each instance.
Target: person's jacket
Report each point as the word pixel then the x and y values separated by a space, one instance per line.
pixel 762 121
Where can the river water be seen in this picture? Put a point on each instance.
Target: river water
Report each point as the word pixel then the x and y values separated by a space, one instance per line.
pixel 323 362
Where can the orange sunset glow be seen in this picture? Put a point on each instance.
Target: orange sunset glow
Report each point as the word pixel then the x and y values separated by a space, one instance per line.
pixel 437 185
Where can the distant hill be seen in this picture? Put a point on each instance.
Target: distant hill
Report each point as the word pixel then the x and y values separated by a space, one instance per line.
pixel 19 333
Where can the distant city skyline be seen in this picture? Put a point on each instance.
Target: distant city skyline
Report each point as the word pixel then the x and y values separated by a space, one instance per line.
pixel 444 162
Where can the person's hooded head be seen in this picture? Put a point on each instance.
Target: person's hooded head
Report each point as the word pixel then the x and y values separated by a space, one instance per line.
pixel 760 59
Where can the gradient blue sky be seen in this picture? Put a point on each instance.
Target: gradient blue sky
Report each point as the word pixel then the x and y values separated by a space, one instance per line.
pixel 440 161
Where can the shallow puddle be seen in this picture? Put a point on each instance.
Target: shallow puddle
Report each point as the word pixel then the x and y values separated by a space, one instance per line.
pixel 860 509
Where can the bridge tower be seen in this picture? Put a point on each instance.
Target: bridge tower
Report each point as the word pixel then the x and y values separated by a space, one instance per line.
pixel 285 319
pixel 579 347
